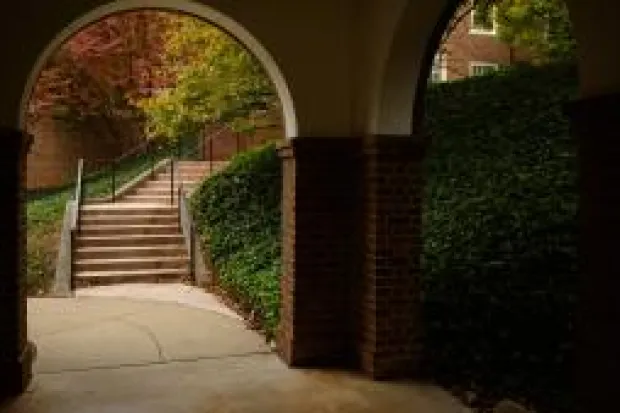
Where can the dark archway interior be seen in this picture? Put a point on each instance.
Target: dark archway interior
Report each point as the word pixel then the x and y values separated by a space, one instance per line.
pixel 380 331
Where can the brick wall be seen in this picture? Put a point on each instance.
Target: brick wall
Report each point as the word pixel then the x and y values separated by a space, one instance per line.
pixel 389 329
pixel 463 47
pixel 226 144
pixel 320 250
pixel 351 254
pixel 57 147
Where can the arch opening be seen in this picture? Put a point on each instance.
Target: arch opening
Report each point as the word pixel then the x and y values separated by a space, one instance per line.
pixel 402 111
pixel 201 11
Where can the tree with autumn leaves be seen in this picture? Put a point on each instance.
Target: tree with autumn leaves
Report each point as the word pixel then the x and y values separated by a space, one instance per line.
pixel 217 81
pixel 101 71
pixel 175 73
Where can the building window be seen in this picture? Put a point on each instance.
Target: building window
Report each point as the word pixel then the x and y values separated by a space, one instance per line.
pixel 482 68
pixel 483 20
pixel 439 70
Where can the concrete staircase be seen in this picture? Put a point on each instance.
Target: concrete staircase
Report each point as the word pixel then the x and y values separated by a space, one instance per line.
pixel 137 239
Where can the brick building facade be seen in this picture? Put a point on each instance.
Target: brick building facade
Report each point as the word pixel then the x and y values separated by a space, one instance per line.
pixel 473 48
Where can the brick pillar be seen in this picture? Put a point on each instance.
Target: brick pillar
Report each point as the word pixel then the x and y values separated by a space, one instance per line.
pixel 389 329
pixel 320 193
pixel 596 126
pixel 15 351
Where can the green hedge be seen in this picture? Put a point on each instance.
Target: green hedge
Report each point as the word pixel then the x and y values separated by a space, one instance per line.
pixel 500 234
pixel 238 214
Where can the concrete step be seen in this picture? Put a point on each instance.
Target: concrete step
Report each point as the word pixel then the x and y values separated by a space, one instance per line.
pixel 154 191
pixel 188 168
pixel 121 230
pixel 189 165
pixel 124 264
pixel 149 199
pixel 200 164
pixel 143 240
pixel 164 184
pixel 165 177
pixel 152 251
pixel 126 209
pixel 192 162
pixel 130 220
pixel 95 278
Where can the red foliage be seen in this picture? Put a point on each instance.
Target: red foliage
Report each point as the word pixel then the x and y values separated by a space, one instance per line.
pixel 104 66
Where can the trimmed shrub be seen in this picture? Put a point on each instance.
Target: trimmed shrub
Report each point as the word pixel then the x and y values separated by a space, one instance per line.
pixel 500 234
pixel 237 212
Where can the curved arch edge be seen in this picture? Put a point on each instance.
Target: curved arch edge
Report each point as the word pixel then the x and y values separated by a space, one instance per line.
pixel 199 10
pixel 401 105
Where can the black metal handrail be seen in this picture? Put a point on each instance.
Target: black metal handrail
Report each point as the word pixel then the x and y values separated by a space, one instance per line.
pixel 172 164
pixel 210 140
pixel 113 166
pixel 143 148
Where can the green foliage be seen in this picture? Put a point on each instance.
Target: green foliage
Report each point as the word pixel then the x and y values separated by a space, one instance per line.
pixel 237 212
pixel 216 81
pixel 542 26
pixel 500 234
pixel 43 221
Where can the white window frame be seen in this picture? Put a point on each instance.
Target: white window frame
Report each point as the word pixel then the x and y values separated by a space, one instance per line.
pixel 472 65
pixel 442 70
pixel 478 30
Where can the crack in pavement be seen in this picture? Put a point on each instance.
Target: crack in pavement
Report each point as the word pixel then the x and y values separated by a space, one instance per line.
pixel 151 335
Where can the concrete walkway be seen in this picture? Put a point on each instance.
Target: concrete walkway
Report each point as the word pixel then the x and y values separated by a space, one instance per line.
pixel 98 353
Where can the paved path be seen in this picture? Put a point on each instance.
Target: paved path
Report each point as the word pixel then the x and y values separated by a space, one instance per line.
pixel 98 353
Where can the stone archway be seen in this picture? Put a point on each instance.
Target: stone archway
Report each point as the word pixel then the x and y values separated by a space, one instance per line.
pixel 370 92
pixel 16 353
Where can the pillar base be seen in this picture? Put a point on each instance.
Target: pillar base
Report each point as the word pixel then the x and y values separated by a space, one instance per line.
pixel 17 374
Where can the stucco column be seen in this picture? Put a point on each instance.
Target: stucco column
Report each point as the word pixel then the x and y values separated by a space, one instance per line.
pixel 390 330
pixel 320 244
pixel 596 126
pixel 15 351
